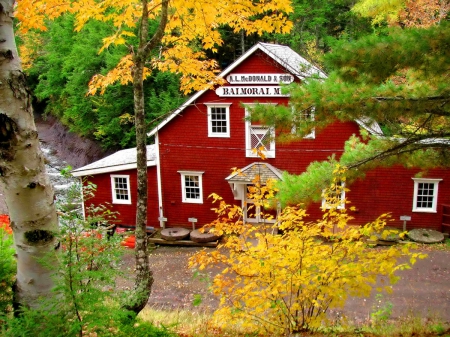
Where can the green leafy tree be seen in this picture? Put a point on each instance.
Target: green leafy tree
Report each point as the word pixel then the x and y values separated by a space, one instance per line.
pixel 317 25
pixel 8 269
pixel 398 79
pixel 60 77
pixel 87 297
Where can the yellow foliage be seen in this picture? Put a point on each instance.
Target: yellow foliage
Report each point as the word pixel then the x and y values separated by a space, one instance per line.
pixel 192 27
pixel 283 278
pixel 380 10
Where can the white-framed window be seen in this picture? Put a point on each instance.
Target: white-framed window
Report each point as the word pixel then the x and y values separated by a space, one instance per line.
pixel 305 115
pixel 218 119
pixel 425 195
pixel 191 186
pixel 258 137
pixel 120 188
pixel 340 198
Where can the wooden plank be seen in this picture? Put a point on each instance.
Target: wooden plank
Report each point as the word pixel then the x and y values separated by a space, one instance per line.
pixel 159 241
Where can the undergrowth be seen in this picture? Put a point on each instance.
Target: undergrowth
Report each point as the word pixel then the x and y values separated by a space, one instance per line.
pixel 193 324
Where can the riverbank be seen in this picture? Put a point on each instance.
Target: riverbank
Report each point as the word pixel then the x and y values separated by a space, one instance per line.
pixel 61 148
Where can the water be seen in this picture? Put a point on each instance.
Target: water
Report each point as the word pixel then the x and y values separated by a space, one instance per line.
pixel 63 185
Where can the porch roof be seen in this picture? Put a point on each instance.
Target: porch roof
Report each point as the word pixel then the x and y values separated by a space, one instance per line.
pixel 248 174
pixel 118 161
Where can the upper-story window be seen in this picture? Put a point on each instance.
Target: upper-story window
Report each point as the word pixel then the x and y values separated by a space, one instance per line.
pixel 218 119
pixel 307 115
pixel 425 195
pixel 258 138
pixel 120 188
pixel 191 187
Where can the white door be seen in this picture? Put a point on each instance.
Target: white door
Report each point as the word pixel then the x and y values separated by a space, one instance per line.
pixel 254 213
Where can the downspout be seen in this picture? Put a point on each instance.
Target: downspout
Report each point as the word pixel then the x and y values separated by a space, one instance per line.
pixel 83 210
pixel 162 220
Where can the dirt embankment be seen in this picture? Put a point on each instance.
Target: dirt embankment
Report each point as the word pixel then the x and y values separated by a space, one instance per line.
pixel 76 151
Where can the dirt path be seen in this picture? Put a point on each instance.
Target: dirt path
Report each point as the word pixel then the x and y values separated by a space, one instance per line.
pixel 423 291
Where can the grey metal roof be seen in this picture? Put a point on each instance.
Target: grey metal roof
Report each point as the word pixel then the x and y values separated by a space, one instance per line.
pixel 120 160
pixel 291 60
pixel 248 174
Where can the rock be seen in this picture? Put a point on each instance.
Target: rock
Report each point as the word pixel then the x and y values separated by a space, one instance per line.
pixel 393 236
pixel 174 234
pixel 197 236
pixel 75 150
pixel 424 235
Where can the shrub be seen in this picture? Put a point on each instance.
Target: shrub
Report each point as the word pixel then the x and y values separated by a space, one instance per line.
pixel 86 301
pixel 8 265
pixel 286 282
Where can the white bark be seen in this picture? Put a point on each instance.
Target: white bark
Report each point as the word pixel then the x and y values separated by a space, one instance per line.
pixel 27 189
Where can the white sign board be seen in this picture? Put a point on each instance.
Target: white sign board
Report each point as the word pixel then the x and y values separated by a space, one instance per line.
pixel 405 218
pixel 260 78
pixel 161 218
pixel 262 91
pixel 192 219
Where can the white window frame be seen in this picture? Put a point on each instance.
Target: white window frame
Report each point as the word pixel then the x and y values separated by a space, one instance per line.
pixel 433 208
pixel 212 133
pixel 115 200
pixel 311 135
pixel 249 152
pixel 325 205
pixel 184 193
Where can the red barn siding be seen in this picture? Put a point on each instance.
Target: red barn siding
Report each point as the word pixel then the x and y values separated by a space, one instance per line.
pixel 391 190
pixel 126 213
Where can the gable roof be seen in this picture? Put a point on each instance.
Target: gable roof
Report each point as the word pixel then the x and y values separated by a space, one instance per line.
pixel 248 174
pixel 118 161
pixel 283 55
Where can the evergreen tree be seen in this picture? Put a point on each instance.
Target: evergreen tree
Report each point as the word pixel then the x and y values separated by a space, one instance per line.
pixel 398 79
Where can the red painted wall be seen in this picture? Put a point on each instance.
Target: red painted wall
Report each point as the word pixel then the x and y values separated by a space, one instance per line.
pixel 391 190
pixel 126 213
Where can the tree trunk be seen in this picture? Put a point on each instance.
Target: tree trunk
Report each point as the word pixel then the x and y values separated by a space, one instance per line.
pixel 27 188
pixel 144 276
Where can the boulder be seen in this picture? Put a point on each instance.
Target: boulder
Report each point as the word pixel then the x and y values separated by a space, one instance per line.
pixel 424 235
pixel 174 234
pixel 198 236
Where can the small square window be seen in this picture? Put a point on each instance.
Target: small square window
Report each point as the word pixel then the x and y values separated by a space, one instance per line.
pixel 219 120
pixel 336 194
pixel 191 185
pixel 425 195
pixel 307 115
pixel 120 185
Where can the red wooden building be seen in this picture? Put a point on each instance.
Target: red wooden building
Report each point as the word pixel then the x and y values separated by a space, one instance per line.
pixel 198 144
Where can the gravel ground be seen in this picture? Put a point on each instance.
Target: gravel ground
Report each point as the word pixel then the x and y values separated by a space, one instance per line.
pixel 175 286
pixel 423 291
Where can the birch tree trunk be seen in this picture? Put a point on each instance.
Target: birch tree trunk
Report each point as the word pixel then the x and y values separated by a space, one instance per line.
pixel 27 189
pixel 144 276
